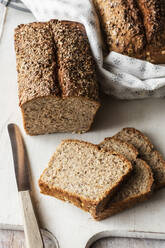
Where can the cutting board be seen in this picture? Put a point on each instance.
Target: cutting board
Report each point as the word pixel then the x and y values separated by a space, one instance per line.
pixel 71 226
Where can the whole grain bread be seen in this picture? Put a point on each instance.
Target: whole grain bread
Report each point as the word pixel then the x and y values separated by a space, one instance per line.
pixel 122 26
pixel 57 82
pixel 137 188
pixel 121 147
pixel 134 27
pixel 82 174
pixel 153 13
pixel 146 151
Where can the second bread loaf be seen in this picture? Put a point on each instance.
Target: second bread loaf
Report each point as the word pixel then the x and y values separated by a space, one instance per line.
pixel 134 27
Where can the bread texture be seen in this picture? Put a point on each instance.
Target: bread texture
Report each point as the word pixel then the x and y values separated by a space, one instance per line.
pixel 121 147
pixel 134 27
pixel 147 152
pixel 137 188
pixel 57 82
pixel 82 174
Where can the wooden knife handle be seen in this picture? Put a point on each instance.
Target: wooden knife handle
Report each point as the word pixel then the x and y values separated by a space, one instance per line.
pixel 32 232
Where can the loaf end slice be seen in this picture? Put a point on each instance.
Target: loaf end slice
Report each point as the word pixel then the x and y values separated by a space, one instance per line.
pixel 147 152
pixel 137 188
pixel 82 174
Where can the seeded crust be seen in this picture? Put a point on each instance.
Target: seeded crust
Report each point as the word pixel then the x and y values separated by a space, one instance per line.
pixel 36 63
pixel 57 81
pixel 147 152
pixel 77 68
pixel 153 12
pixel 136 189
pixel 122 25
pixel 134 27
pixel 92 195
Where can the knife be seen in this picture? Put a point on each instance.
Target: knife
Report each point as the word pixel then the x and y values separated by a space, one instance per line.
pixel 32 232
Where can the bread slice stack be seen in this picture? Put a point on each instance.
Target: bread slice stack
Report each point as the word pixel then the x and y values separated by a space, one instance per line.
pixel 82 174
pixel 138 186
pixel 107 178
pixel 146 151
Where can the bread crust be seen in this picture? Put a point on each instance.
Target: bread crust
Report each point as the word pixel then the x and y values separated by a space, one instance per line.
pixel 36 63
pixel 72 47
pixel 86 204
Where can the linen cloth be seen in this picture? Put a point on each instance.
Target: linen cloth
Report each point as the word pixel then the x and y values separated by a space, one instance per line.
pixel 119 75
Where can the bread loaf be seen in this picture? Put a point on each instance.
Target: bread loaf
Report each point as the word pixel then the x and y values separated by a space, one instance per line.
pixel 82 174
pixel 138 186
pixel 134 27
pixel 122 26
pixel 147 152
pixel 153 13
pixel 57 84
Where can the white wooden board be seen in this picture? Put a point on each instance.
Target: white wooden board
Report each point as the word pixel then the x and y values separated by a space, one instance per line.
pixel 70 225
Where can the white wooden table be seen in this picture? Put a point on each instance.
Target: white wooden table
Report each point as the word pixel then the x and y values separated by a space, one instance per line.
pixel 70 225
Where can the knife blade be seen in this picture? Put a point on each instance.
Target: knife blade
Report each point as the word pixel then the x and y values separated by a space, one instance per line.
pixel 21 164
pixel 20 158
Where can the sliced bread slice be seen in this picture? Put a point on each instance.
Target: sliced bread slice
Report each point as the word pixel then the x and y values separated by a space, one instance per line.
pixel 82 174
pixel 121 147
pixel 138 186
pixel 147 152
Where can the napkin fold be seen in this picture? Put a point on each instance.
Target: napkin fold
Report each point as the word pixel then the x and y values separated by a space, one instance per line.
pixel 119 75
